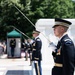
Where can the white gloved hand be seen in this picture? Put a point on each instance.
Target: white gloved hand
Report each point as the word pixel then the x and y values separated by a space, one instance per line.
pixel 35 61
pixel 53 46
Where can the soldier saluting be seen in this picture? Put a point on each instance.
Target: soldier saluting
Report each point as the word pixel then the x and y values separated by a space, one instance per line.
pixel 36 53
pixel 64 52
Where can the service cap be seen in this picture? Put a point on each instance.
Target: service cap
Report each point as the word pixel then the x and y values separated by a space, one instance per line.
pixel 61 22
pixel 36 32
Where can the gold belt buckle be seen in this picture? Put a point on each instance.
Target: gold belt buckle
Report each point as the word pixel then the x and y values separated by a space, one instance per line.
pixel 58 65
pixel 34 49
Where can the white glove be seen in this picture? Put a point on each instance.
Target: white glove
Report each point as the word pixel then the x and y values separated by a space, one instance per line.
pixel 35 61
pixel 53 46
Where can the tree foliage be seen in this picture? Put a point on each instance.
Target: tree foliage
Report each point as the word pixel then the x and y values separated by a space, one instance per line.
pixel 34 10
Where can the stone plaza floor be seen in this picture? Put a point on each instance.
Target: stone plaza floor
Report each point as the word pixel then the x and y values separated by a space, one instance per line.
pixel 18 66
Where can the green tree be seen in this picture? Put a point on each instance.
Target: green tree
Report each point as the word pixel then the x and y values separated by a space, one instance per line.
pixel 60 8
pixel 8 17
pixel 73 8
pixel 34 10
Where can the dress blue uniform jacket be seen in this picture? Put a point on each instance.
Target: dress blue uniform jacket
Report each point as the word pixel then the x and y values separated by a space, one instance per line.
pixel 12 43
pixel 65 55
pixel 36 50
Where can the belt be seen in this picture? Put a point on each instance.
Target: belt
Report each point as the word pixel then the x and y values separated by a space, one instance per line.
pixel 58 65
pixel 36 58
pixel 34 49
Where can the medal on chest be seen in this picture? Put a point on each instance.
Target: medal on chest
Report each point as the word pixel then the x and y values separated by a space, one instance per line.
pixel 59 51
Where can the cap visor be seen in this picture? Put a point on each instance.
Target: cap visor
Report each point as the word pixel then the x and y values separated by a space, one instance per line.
pixel 55 26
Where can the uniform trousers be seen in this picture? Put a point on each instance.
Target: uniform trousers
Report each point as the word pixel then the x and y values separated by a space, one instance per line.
pixel 12 52
pixel 57 70
pixel 38 68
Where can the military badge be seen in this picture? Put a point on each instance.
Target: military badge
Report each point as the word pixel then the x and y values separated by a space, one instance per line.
pixel 59 51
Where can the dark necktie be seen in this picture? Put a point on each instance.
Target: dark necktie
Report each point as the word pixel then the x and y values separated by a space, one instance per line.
pixel 59 44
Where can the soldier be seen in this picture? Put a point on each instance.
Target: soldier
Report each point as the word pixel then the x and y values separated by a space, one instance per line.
pixel 12 45
pixel 1 48
pixel 29 44
pixel 25 49
pixel 36 53
pixel 64 52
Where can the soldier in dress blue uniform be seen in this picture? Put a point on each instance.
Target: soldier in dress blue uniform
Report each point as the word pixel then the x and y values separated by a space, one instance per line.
pixel 26 49
pixel 12 45
pixel 64 53
pixel 36 53
pixel 29 44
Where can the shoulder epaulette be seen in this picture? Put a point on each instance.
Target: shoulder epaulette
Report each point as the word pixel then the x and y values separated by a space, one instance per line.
pixel 38 39
pixel 68 41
